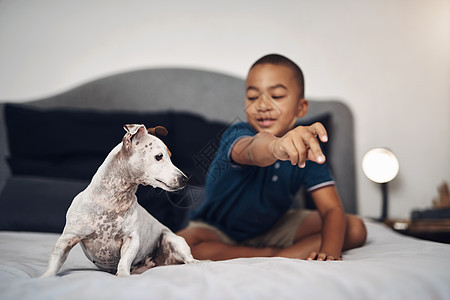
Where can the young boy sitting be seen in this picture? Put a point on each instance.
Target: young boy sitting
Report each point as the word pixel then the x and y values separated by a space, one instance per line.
pixel 257 171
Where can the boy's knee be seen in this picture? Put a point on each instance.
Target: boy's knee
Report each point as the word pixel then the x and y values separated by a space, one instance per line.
pixel 360 232
pixel 356 232
pixel 194 236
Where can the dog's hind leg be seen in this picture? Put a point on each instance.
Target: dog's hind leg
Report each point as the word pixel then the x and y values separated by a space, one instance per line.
pixel 60 252
pixel 177 248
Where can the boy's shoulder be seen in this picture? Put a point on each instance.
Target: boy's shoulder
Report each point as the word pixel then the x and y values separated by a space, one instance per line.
pixel 239 129
pixel 242 125
pixel 233 133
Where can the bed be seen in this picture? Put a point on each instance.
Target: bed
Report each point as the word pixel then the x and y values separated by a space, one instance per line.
pixel 50 148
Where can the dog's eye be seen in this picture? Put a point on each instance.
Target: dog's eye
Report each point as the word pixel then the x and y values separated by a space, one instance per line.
pixel 158 157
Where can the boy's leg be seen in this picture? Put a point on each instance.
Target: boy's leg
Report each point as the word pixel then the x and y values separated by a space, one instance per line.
pixel 356 234
pixel 308 236
pixel 207 245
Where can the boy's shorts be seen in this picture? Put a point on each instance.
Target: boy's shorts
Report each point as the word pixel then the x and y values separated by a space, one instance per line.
pixel 280 235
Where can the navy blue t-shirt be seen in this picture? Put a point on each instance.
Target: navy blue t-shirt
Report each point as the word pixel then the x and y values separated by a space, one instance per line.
pixel 245 201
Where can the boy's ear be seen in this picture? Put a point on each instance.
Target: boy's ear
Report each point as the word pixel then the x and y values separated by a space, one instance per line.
pixel 303 105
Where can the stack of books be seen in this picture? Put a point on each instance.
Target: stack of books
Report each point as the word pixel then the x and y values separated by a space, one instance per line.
pixel 434 222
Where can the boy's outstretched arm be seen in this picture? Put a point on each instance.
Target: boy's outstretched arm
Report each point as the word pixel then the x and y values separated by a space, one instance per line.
pixel 297 146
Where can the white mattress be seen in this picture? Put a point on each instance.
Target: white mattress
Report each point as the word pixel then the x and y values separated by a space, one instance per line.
pixel 389 266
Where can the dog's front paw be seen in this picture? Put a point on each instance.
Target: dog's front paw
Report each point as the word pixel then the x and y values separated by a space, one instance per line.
pixel 122 274
pixel 191 260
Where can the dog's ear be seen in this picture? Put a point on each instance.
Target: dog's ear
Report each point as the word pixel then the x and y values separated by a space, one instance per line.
pixel 132 130
pixel 158 130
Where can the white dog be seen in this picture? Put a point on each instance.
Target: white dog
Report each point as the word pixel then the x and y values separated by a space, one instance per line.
pixel 115 232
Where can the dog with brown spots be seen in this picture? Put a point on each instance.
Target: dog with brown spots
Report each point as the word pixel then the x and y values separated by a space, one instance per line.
pixel 116 233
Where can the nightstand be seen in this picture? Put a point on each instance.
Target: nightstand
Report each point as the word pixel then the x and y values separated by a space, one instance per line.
pixel 432 230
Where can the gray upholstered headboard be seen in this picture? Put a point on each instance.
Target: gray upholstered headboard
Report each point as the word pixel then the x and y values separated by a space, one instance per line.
pixel 213 95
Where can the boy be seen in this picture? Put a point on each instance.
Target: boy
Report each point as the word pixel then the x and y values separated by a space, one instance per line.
pixel 259 167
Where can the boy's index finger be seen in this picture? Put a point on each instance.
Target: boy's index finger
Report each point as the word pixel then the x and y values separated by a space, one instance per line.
pixel 319 130
pixel 315 152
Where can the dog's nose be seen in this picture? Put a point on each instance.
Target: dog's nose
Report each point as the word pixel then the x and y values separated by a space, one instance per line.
pixel 183 179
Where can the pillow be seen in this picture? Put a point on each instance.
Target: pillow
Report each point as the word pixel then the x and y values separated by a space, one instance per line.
pixel 67 143
pixel 40 204
pixel 73 143
pixel 195 143
pixel 36 204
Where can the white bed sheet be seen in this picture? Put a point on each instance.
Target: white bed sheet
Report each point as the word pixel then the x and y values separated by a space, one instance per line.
pixel 389 266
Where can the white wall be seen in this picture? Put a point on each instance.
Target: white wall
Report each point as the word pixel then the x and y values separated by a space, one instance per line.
pixel 388 60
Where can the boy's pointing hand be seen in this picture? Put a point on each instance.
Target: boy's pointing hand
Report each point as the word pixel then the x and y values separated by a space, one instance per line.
pixel 301 144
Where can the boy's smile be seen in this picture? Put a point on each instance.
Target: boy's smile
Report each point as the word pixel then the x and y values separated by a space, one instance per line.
pixel 273 100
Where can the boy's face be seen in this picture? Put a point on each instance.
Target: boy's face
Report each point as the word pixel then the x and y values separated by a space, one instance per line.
pixel 273 100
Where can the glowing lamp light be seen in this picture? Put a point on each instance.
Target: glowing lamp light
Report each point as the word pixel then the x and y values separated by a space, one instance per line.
pixel 381 166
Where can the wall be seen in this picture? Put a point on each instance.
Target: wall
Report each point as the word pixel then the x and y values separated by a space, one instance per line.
pixel 388 60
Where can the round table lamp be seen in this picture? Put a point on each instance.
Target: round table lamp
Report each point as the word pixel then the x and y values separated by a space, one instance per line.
pixel 381 166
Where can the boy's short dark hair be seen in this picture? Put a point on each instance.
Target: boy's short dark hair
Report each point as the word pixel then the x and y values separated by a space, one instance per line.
pixel 277 59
